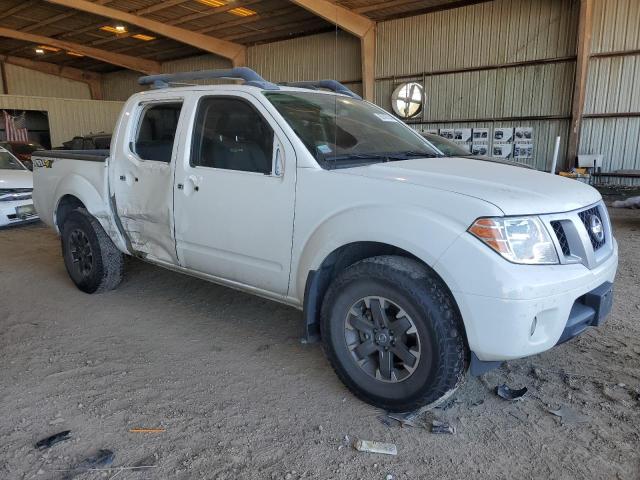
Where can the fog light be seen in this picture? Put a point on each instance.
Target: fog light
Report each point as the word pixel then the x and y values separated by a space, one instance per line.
pixel 534 324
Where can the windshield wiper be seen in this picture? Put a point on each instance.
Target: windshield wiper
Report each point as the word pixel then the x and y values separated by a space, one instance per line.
pixel 403 155
pixel 356 156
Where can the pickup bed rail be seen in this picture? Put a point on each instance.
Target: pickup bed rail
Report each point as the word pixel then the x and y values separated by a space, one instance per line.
pixel 86 155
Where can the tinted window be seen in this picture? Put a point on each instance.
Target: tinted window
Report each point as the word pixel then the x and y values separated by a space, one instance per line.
pixel 230 134
pixel 156 132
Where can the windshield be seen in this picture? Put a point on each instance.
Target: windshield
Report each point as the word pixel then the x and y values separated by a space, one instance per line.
pixel 344 132
pixel 449 148
pixel 9 162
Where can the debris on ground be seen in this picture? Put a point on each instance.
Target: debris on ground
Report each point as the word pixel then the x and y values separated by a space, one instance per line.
pixel 147 430
pixel 387 421
pixel 442 427
pixel 632 202
pixel 375 447
pixel 345 442
pixel 505 392
pixel 566 415
pixel 53 439
pixel 404 419
pixel 104 457
pixel 146 462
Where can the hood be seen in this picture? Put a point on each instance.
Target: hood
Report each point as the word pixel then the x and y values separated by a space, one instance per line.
pixel 15 179
pixel 514 190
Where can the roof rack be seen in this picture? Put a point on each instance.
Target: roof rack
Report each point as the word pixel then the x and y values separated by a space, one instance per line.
pixel 332 85
pixel 239 73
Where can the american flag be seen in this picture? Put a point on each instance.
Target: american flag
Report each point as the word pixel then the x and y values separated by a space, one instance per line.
pixel 15 128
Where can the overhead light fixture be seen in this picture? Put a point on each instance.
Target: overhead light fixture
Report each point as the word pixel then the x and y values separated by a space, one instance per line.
pixel 213 3
pixel 242 12
pixel 48 48
pixel 75 54
pixel 117 29
pixel 39 51
pixel 143 37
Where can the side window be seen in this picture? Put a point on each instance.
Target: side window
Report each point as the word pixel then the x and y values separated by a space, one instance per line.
pixel 156 131
pixel 230 134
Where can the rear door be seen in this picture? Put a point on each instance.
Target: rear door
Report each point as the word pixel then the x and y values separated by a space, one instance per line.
pixel 235 191
pixel 143 179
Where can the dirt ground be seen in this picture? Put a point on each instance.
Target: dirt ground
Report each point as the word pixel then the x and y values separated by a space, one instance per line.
pixel 240 397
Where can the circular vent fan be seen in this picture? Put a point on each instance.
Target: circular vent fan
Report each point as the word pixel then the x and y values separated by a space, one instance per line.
pixel 407 100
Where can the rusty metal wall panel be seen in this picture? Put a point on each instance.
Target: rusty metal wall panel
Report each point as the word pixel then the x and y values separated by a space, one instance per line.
pixel 492 33
pixel 68 117
pixel 315 57
pixel 24 81
pixel 544 137
pixel 616 26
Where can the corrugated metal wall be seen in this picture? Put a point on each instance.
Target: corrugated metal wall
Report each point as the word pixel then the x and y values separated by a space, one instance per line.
pixel 325 55
pixel 23 81
pixel 122 84
pixel 612 105
pixel 462 57
pixel 68 117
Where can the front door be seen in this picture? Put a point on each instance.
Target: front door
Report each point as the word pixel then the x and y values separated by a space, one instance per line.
pixel 143 181
pixel 235 194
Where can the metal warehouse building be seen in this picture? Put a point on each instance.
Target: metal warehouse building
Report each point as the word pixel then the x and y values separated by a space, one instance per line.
pixel 565 68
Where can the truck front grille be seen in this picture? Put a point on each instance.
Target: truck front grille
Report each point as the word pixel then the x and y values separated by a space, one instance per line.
pixel 562 237
pixel 585 216
pixel 577 237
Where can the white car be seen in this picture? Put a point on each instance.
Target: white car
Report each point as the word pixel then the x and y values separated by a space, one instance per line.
pixel 16 188
pixel 409 266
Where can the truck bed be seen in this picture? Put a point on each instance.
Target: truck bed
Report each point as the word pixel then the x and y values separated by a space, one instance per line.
pixel 79 173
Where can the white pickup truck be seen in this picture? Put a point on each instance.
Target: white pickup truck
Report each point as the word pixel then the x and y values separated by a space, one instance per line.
pixel 409 266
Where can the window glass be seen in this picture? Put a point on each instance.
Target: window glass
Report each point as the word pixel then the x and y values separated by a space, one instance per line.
pixel 342 132
pixel 156 132
pixel 230 134
pixel 9 162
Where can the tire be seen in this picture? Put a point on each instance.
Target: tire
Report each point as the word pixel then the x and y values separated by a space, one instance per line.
pixel 410 295
pixel 92 260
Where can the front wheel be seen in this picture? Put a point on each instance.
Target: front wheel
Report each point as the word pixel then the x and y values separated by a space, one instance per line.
pixel 393 334
pixel 93 262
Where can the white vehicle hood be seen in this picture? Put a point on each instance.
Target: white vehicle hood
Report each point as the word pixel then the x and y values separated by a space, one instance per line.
pixel 15 179
pixel 514 190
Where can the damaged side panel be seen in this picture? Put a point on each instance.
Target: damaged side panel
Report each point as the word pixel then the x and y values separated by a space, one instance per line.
pixel 144 202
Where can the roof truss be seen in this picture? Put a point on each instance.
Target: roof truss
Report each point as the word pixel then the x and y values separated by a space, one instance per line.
pixel 233 51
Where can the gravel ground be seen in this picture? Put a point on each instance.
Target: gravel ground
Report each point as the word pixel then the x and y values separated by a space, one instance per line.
pixel 239 396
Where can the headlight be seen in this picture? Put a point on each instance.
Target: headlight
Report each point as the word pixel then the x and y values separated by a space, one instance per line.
pixel 518 239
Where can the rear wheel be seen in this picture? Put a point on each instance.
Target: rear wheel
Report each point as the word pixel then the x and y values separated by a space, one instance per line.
pixel 392 333
pixel 92 260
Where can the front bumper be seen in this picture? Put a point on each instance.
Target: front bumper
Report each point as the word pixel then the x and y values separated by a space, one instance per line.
pixel 16 212
pixel 514 311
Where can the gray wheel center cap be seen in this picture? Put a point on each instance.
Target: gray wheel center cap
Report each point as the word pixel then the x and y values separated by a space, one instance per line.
pixel 382 338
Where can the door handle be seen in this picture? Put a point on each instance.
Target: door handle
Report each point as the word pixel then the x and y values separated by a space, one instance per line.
pixel 180 186
pixel 123 178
